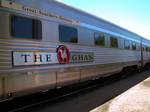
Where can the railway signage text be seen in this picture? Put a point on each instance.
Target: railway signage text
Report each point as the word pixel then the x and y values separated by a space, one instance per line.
pixel 79 57
pixel 34 11
pixel 61 56
pixel 33 58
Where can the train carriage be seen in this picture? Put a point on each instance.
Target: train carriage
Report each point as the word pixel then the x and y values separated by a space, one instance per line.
pixel 47 44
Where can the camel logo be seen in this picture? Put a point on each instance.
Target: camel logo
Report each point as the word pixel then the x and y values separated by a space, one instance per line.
pixel 63 54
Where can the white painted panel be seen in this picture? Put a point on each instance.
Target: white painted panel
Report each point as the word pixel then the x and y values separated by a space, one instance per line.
pixel 34 58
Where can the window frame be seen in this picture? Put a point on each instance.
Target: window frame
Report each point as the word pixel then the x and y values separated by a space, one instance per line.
pixel 116 39
pixel 134 43
pixel 73 28
pixel 147 49
pixel 103 39
pixel 127 47
pixel 34 28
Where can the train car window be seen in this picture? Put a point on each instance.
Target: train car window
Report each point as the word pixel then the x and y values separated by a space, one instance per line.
pixel 22 27
pixel 133 46
pixel 68 34
pixel 113 42
pixel 99 39
pixel 126 44
pixel 147 49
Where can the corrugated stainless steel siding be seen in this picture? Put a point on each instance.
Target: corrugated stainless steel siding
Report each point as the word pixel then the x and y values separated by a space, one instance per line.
pixel 101 55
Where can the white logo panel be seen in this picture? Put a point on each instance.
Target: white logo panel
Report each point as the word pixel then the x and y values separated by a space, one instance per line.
pixel 34 58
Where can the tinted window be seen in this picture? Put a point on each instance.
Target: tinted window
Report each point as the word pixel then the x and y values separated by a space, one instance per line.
pixel 147 49
pixel 99 39
pixel 22 27
pixel 68 34
pixel 126 44
pixel 113 42
pixel 133 46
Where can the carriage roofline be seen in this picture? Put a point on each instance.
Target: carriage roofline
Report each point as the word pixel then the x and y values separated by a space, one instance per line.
pixel 86 14
pixel 93 16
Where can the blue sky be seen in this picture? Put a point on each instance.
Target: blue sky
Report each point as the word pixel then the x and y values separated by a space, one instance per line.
pixel 133 15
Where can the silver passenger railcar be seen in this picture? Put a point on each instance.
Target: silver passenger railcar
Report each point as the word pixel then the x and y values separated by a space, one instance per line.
pixel 45 44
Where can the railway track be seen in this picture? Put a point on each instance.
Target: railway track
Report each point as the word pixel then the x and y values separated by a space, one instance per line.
pixel 22 103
